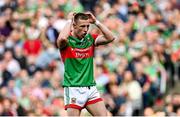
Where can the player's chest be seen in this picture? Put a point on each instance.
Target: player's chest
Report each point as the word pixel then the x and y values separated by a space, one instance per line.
pixel 81 52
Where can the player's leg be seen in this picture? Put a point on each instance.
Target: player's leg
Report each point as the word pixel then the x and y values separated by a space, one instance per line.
pixel 97 109
pixel 95 104
pixel 73 112
pixel 74 99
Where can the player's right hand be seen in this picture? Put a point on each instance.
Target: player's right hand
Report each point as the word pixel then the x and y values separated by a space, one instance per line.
pixel 71 15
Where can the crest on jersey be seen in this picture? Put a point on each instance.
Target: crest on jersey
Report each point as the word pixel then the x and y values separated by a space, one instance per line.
pixel 73 100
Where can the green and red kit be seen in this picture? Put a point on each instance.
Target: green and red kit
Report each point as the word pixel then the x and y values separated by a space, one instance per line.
pixel 78 61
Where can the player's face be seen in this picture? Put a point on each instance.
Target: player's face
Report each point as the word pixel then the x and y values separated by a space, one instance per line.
pixel 81 28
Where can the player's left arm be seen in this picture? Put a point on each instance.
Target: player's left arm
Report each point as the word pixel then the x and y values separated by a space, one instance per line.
pixel 107 36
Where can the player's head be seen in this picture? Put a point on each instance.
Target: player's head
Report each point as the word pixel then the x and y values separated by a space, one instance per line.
pixel 81 25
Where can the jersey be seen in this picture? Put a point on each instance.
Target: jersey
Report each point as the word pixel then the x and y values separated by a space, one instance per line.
pixel 78 61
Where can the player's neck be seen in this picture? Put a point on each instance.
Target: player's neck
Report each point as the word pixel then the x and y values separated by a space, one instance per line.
pixel 76 36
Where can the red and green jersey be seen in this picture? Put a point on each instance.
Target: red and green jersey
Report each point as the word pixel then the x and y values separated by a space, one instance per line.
pixel 78 61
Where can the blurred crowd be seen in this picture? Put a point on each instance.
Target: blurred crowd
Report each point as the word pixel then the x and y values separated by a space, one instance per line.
pixel 135 74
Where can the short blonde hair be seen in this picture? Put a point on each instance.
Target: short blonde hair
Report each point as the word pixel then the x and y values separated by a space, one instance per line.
pixel 80 16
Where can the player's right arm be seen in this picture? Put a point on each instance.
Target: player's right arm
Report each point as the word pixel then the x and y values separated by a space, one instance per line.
pixel 63 36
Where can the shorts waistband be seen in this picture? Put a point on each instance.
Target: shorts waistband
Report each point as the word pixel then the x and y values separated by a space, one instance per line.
pixel 89 87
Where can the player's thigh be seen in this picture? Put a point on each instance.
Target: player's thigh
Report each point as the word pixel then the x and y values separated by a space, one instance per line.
pixel 97 109
pixel 75 97
pixel 73 112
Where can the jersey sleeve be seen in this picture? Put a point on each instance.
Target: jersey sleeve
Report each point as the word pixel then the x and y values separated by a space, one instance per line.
pixel 94 36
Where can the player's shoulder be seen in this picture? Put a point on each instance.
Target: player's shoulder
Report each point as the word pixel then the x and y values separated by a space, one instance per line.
pixel 94 36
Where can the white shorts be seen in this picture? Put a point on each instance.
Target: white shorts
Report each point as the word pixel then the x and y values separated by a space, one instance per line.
pixel 80 97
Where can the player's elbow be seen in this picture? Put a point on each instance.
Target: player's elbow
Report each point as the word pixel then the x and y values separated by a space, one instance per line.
pixel 112 39
pixel 61 42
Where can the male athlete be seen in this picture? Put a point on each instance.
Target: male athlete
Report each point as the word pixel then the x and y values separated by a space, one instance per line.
pixel 77 50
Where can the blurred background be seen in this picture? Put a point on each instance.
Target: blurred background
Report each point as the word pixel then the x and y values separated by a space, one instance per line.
pixel 137 74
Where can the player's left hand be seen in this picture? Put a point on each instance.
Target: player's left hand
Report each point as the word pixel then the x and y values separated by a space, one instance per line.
pixel 92 18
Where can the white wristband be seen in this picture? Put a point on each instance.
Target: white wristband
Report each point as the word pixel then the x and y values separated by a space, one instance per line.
pixel 97 22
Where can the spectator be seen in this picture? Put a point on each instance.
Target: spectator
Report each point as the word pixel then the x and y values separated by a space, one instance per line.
pixel 12 65
pixel 127 88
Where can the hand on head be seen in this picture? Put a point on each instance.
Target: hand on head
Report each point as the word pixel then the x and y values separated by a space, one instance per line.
pixel 71 15
pixel 92 18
